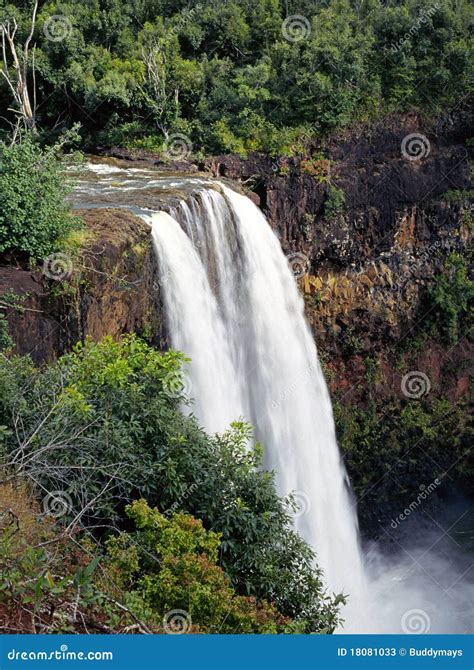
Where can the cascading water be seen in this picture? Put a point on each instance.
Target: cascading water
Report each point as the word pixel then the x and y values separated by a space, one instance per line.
pixel 196 326
pixel 233 307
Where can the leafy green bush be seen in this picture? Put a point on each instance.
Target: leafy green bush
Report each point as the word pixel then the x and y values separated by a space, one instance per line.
pixel 168 565
pixel 407 443
pixel 334 202
pixel 152 143
pixel 153 578
pixel 34 215
pixel 117 405
pixel 450 300
pixel 223 139
pixel 458 195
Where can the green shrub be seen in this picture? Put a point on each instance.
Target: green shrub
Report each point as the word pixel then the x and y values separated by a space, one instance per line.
pixel 334 203
pixel 168 565
pixel 136 581
pixel 313 300
pixel 457 195
pixel 151 143
pixel 225 140
pixel 117 404
pixel 450 300
pixel 409 443
pixel 9 300
pixel 5 339
pixel 34 215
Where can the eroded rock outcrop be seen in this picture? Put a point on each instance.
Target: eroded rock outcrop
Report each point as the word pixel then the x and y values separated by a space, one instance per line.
pixel 110 287
pixel 366 261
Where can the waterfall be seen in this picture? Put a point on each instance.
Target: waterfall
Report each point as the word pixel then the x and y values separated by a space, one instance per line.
pixel 234 308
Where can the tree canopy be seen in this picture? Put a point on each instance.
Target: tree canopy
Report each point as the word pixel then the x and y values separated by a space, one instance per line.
pixel 239 75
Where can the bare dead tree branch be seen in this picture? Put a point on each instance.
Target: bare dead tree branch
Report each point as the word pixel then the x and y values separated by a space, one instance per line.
pixel 18 79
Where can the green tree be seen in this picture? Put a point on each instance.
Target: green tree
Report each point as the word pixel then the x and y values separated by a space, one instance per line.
pixel 168 565
pixel 150 67
pixel 450 301
pixel 34 214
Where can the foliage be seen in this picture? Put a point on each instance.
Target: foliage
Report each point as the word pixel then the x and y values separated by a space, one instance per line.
pixel 117 406
pixel 44 575
pixel 34 215
pixel 57 580
pixel 172 564
pixel 319 167
pixel 313 300
pixel 334 202
pixel 391 448
pixel 229 73
pixel 9 300
pixel 458 196
pixel 450 300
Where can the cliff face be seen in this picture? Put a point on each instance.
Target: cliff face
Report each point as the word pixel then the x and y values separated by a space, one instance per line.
pixel 370 233
pixel 368 229
pixel 109 287
pixel 379 237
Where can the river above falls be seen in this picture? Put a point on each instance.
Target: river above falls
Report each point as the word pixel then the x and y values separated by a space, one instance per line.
pixel 118 183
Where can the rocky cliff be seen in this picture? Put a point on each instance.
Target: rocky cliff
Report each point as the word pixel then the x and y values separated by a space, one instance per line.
pixel 107 287
pixel 375 226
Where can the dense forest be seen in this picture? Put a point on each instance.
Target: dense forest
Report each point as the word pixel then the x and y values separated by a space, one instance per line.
pixel 239 75
pixel 119 512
